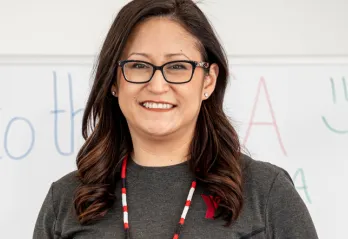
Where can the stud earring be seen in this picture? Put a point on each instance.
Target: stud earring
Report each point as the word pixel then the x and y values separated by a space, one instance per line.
pixel 113 93
pixel 206 95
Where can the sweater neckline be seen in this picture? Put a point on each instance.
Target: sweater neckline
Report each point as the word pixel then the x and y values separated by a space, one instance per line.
pixel 132 165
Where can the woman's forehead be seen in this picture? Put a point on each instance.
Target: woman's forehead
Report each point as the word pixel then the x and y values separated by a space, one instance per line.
pixel 160 37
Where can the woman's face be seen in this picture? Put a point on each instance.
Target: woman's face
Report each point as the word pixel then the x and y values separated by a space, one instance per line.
pixel 159 40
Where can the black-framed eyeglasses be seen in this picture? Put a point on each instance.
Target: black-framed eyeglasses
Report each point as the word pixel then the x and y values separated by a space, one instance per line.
pixel 175 72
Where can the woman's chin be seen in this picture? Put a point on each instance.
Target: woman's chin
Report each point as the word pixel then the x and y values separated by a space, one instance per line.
pixel 158 131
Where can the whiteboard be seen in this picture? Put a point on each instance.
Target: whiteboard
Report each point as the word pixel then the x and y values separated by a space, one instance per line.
pixel 292 113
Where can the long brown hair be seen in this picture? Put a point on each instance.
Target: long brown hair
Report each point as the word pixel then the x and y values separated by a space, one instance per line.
pixel 215 148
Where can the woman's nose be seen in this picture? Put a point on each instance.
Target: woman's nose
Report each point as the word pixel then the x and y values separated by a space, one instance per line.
pixel 158 84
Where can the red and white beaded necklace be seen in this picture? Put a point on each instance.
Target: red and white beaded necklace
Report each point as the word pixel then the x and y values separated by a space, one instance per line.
pixel 125 207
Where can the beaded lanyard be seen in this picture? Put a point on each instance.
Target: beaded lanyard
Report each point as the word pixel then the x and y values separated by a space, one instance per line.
pixel 125 207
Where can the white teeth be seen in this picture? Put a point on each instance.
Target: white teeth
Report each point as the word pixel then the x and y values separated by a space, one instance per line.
pixel 151 105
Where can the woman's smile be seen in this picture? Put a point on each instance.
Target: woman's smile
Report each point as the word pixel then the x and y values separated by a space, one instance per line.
pixel 157 106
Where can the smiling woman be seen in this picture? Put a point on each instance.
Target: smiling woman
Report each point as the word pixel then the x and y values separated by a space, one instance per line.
pixel 161 159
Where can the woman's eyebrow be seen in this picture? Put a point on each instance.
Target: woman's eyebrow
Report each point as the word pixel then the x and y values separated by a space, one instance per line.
pixel 169 55
pixel 138 54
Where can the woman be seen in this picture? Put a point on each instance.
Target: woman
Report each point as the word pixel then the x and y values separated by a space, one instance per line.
pixel 161 159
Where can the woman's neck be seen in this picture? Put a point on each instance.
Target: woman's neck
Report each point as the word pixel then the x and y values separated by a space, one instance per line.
pixel 159 153
pixel 153 158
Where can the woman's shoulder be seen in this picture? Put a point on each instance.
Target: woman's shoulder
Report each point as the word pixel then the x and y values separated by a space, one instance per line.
pixel 58 203
pixel 268 191
pixel 65 186
pixel 252 165
pixel 261 176
pixel 67 180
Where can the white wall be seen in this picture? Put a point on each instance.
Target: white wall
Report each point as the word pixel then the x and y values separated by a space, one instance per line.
pixel 294 45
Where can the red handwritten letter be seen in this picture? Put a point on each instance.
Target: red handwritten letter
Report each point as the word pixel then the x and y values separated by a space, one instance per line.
pixel 262 85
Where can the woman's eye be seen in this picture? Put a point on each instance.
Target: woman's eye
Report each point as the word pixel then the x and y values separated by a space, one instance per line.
pixel 178 67
pixel 138 65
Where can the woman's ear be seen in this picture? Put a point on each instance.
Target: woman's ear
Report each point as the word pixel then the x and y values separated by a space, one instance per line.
pixel 210 81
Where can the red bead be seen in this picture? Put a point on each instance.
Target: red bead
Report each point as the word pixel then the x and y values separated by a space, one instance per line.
pixel 182 220
pixel 126 226
pixel 125 209
pixel 124 166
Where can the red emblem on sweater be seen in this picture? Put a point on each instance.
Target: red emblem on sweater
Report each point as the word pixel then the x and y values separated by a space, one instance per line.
pixel 212 204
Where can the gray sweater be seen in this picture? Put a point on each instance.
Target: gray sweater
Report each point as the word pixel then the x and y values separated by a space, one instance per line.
pixel 156 198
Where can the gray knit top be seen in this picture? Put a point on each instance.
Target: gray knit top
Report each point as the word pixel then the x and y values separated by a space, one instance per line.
pixel 156 197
